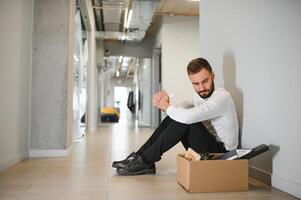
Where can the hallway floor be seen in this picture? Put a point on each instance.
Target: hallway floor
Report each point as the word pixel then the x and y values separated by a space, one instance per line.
pixel 87 174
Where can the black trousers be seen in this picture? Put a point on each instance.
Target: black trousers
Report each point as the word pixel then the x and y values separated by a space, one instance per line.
pixel 170 132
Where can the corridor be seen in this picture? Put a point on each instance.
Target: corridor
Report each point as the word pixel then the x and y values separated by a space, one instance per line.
pixel 86 173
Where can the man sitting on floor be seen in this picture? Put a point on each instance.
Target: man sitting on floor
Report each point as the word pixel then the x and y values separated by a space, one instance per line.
pixel 207 124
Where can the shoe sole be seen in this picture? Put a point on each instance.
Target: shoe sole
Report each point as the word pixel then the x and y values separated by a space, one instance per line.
pixel 142 172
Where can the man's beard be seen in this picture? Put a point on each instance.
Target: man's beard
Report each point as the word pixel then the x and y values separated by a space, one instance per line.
pixel 209 94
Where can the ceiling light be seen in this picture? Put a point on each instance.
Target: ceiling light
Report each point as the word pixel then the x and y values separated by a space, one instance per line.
pixel 120 59
pixel 123 37
pixel 129 19
pixel 75 58
pixel 117 73
pixel 125 17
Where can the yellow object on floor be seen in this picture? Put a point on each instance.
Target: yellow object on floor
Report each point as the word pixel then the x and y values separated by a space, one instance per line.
pixel 109 110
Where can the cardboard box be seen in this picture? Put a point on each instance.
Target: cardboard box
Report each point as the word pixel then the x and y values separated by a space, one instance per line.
pixel 212 175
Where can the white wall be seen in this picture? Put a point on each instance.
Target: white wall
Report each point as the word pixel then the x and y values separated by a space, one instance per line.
pixel 180 44
pixel 156 84
pixel 144 84
pixel 15 55
pixel 156 62
pixel 255 48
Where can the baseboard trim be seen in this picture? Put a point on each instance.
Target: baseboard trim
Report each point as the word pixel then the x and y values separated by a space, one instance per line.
pixel 48 153
pixel 12 161
pixel 280 183
pixel 260 175
pixel 287 186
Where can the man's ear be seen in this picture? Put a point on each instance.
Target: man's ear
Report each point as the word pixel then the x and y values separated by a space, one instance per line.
pixel 213 76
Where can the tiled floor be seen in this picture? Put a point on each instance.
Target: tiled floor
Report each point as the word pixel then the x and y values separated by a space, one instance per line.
pixel 87 174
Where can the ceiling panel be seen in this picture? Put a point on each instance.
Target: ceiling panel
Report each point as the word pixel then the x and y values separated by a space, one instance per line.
pixel 179 7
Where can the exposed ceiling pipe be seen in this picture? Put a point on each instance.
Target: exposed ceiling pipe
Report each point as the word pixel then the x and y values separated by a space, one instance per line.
pixel 84 13
pixel 108 7
pixel 174 14
pixel 98 15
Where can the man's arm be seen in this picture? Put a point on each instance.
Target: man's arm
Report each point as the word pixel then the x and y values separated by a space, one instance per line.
pixel 161 101
pixel 213 107
pixel 186 104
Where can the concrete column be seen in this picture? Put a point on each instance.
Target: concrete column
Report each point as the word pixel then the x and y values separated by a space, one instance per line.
pixel 52 74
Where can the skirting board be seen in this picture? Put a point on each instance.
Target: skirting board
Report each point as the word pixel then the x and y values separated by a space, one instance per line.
pixel 280 183
pixel 287 186
pixel 12 161
pixel 48 153
pixel 260 175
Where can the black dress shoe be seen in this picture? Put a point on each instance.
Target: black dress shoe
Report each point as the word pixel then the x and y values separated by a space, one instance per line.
pixel 122 163
pixel 137 167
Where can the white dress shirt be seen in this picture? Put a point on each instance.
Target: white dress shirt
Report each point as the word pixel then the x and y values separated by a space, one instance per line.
pixel 218 110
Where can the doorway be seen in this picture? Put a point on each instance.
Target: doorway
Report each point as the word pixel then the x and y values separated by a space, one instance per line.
pixel 120 102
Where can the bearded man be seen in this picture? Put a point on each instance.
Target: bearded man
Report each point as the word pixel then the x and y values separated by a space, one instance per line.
pixel 207 124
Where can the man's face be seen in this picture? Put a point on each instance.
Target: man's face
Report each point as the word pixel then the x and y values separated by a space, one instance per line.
pixel 202 83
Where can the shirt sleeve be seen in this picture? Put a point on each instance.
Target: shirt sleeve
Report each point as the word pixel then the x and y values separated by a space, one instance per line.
pixel 213 107
pixel 186 104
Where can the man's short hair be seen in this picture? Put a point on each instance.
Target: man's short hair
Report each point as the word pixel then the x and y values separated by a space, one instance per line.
pixel 197 65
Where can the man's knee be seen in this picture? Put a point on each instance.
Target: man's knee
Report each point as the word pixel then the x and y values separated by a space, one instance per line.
pixel 198 128
pixel 198 132
pixel 167 121
pixel 176 122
